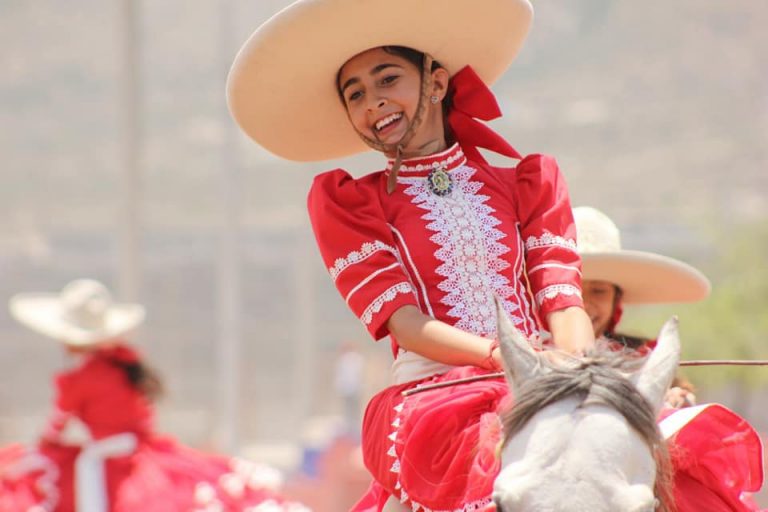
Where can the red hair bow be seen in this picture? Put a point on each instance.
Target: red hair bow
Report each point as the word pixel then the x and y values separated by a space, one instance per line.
pixel 472 100
pixel 121 354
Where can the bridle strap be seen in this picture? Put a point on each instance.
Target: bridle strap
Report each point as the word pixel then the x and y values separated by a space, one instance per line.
pixel 398 147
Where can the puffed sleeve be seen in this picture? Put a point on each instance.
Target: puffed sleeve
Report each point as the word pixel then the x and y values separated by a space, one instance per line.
pixel 67 402
pixel 549 235
pixel 358 248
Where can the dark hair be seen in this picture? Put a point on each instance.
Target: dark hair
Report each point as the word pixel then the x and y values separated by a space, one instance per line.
pixel 629 341
pixel 633 342
pixel 142 378
pixel 416 58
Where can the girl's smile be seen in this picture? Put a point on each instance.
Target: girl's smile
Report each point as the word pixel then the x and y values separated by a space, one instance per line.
pixel 599 303
pixel 386 124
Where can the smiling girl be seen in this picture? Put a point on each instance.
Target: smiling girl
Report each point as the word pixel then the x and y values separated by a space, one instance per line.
pixel 419 249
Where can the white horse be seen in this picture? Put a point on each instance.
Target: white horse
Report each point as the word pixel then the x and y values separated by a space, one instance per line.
pixel 582 435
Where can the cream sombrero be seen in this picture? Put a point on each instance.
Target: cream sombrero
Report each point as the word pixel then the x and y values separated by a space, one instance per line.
pixel 82 314
pixel 644 277
pixel 281 89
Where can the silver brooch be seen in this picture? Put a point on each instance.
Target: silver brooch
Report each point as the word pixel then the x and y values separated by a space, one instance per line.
pixel 440 182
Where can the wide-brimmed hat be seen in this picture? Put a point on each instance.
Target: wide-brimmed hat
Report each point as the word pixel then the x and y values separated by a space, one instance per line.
pixel 644 277
pixel 282 87
pixel 82 314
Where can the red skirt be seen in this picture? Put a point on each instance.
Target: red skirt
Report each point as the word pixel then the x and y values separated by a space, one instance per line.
pixel 436 449
pixel 161 475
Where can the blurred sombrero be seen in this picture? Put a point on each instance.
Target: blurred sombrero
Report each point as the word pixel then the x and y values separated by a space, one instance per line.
pixel 644 277
pixel 282 90
pixel 82 314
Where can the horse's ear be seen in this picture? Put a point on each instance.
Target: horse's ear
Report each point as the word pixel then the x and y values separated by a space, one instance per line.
pixel 520 360
pixel 655 377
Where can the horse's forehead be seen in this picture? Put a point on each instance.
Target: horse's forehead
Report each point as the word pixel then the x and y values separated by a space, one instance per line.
pixel 596 443
pixel 583 466
pixel 565 422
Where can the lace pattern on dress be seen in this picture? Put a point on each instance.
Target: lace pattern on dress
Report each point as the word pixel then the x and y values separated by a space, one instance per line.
pixel 548 239
pixel 470 251
pixel 452 155
pixel 366 250
pixel 388 296
pixel 552 291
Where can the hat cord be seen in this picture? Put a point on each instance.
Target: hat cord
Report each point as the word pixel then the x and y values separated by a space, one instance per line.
pixel 398 147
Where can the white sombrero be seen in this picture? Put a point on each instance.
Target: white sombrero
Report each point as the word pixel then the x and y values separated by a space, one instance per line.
pixel 82 314
pixel 282 91
pixel 644 277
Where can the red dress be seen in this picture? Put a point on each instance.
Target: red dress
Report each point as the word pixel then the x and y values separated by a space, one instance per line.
pixel 137 469
pixel 454 234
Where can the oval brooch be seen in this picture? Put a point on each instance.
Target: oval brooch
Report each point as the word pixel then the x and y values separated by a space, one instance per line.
pixel 440 182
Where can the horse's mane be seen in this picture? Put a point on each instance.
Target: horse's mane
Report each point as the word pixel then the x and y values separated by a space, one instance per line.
pixel 597 379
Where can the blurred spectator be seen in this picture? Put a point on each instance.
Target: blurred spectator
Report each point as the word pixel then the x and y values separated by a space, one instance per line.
pixel 99 450
pixel 348 383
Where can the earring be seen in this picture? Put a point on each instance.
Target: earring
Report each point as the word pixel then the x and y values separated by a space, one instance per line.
pixel 434 99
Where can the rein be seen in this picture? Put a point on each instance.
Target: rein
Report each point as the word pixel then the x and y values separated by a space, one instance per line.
pixel 489 376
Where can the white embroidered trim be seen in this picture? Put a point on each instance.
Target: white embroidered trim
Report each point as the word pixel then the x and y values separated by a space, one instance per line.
pixel 404 498
pixel 522 291
pixel 452 158
pixel 366 250
pixel 368 280
pixel 554 265
pixel 46 483
pixel 548 239
pixel 388 296
pixel 552 291
pixel 470 251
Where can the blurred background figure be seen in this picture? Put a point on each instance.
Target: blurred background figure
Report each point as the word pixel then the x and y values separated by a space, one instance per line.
pixel 349 386
pixel 716 453
pixel 99 451
pixel 613 277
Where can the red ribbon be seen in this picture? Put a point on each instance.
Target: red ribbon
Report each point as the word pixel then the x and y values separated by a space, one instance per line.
pixel 618 311
pixel 472 100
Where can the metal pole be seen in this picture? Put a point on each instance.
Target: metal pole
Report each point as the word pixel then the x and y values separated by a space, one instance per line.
pixel 129 222
pixel 304 342
pixel 229 339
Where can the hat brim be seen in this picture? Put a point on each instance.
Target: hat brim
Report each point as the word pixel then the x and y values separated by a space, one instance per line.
pixel 281 89
pixel 646 278
pixel 43 313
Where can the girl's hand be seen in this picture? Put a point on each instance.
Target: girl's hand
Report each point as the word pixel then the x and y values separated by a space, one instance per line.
pixel 571 330
pixel 496 362
pixel 677 398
